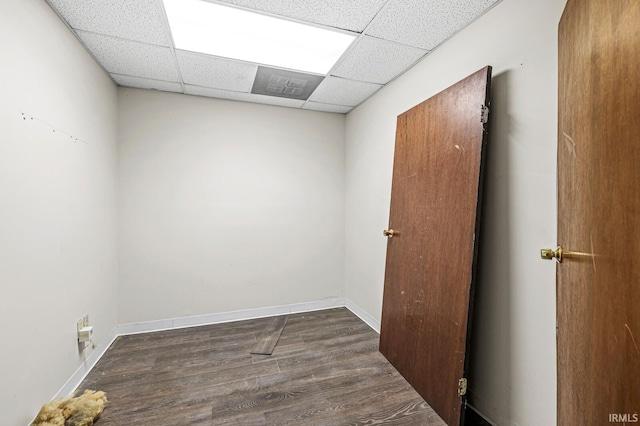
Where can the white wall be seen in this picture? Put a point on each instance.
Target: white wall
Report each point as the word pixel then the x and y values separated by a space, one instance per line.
pixel 227 205
pixel 513 379
pixel 57 205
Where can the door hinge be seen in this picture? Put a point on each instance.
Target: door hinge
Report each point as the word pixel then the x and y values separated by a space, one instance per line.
pixel 484 114
pixel 462 387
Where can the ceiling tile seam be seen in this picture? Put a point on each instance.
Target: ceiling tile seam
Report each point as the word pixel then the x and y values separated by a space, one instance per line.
pixel 360 36
pixel 398 43
pixel 355 81
pixel 344 55
pixel 225 90
pixel 302 108
pixel 427 51
pixel 366 81
pixel 128 40
pixel 143 78
pixel 246 92
pixel 328 103
pixel 401 73
pixel 465 26
pixel 286 18
pixel 307 100
pixel 424 55
pixel 367 98
pixel 163 13
pixel 238 61
pixel 380 87
pixel 386 5
pixel 75 34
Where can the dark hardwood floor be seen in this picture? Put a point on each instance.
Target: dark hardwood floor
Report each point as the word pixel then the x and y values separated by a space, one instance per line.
pixel 325 370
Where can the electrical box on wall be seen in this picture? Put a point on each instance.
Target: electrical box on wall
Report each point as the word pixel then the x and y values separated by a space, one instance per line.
pixel 85 331
pixel 85 334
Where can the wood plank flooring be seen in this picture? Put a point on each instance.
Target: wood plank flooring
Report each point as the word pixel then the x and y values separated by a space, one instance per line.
pixel 325 370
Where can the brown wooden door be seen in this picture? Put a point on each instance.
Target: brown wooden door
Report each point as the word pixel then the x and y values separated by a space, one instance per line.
pixel 435 200
pixel 598 297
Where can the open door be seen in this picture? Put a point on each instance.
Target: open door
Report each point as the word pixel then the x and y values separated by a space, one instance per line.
pixel 598 279
pixel 431 250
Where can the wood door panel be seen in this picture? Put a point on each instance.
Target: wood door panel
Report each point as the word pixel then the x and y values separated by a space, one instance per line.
pixel 430 263
pixel 598 298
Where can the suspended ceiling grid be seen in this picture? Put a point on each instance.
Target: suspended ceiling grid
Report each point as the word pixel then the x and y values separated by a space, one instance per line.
pixel 131 40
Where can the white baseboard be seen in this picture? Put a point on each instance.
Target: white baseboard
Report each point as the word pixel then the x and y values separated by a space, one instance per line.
pixel 84 368
pixel 363 315
pixel 168 324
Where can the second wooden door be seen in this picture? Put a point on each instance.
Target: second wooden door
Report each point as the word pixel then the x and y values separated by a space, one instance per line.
pixel 598 281
pixel 431 252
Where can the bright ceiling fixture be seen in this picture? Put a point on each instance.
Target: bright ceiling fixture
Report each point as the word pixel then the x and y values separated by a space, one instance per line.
pixel 205 27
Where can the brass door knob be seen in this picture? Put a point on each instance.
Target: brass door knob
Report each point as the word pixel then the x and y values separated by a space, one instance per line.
pixel 389 233
pixel 558 254
pixel 552 254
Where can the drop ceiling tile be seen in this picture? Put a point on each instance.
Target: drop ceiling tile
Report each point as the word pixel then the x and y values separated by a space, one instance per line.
pixel 352 15
pixel 219 73
pixel 138 20
pixel 426 24
pixel 131 58
pixel 145 83
pixel 377 61
pixel 244 97
pixel 340 91
pixel 315 106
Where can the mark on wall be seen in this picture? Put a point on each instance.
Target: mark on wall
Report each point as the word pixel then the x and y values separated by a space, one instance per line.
pixel 27 118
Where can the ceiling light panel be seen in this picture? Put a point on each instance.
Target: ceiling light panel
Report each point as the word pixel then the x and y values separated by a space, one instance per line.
pixel 340 91
pixel 208 71
pixel 131 58
pixel 218 30
pixel 427 23
pixel 138 20
pixel 145 83
pixel 352 15
pixel 377 61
